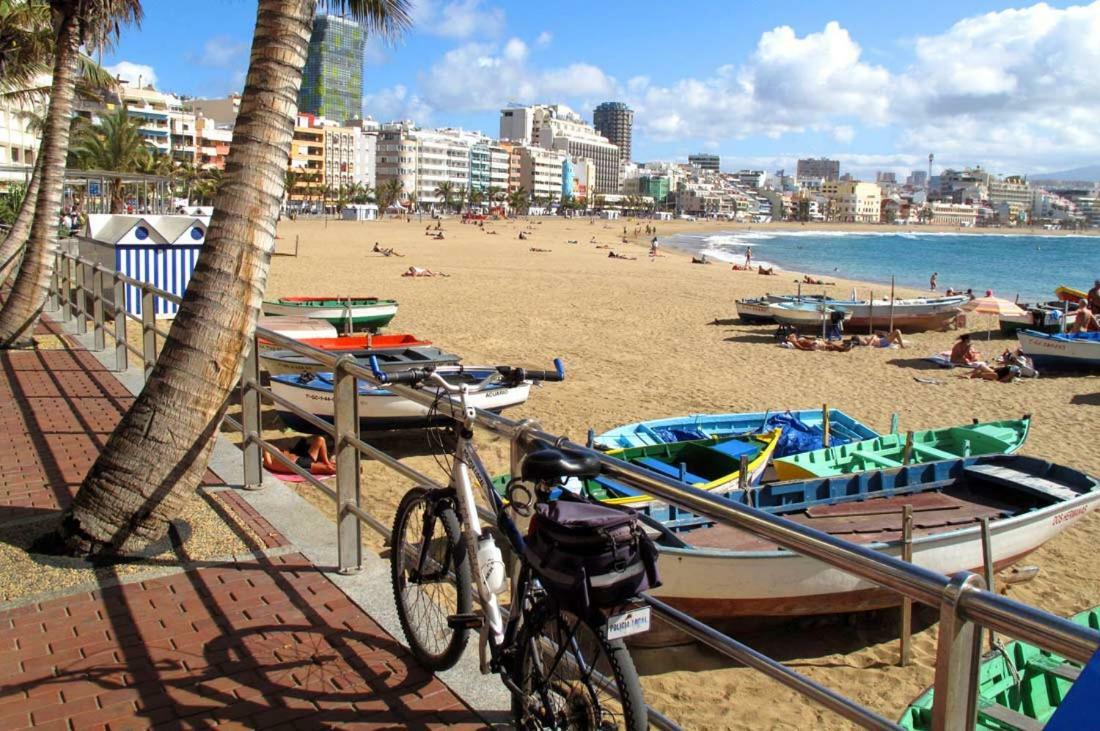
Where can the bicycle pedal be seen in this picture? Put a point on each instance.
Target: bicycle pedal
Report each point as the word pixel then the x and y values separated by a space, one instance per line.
pixel 464 621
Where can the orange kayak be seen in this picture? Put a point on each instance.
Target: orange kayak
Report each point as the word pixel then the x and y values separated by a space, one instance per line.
pixel 365 341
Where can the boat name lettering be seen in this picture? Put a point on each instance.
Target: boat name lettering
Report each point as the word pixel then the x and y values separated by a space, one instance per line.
pixel 1069 515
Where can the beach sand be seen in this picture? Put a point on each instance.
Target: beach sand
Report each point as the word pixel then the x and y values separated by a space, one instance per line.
pixel 649 338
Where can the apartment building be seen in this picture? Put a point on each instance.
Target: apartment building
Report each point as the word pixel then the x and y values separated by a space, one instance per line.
pixel 557 127
pixel 1013 196
pixel 541 171
pixel 953 214
pixel 615 121
pixel 307 159
pixel 705 162
pixel 423 159
pixel 853 201
pixel 18 145
pixel 818 169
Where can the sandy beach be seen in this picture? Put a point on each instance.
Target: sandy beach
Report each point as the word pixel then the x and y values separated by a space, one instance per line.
pixel 647 338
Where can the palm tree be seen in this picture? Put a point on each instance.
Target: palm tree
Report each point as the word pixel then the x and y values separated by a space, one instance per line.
pixel 76 22
pixel 493 194
pixel 158 452
pixel 518 200
pixel 26 46
pixel 446 191
pixel 387 194
pixel 461 194
pixel 114 143
pixel 476 198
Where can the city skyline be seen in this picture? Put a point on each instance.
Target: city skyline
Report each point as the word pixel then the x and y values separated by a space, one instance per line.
pixel 1002 88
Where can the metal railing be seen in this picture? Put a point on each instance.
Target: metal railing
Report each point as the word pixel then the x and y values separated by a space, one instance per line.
pixel 964 605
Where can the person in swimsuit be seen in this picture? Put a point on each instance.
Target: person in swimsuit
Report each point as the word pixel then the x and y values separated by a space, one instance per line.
pixel 880 339
pixel 309 453
pixel 963 353
pixel 800 343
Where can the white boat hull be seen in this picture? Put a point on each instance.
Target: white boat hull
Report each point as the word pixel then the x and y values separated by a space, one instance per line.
pixel 380 409
pixel 716 584
pixel 1063 352
pixel 330 313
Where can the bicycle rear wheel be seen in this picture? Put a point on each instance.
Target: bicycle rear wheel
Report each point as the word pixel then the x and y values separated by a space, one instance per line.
pixel 427 555
pixel 569 676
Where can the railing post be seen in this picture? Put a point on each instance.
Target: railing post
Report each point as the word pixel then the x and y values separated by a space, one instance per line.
pixel 250 417
pixel 81 297
pixel 54 301
pixel 345 399
pixel 65 294
pixel 958 658
pixel 148 331
pixel 906 602
pixel 122 354
pixel 99 340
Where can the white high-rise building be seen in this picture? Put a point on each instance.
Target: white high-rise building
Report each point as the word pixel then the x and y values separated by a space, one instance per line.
pixel 423 159
pixel 557 127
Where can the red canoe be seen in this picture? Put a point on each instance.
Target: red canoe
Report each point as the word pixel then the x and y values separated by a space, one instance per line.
pixel 364 341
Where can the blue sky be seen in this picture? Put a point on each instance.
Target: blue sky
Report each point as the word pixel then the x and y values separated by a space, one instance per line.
pixel 878 85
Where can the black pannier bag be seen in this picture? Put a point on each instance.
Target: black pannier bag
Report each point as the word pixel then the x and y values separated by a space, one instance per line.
pixel 589 555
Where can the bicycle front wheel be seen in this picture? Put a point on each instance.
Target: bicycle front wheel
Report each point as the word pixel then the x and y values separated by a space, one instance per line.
pixel 431 577
pixel 569 676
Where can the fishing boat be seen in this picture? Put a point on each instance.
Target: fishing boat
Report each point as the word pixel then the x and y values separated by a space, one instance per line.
pixel 915 314
pixel 1019 687
pixel 709 464
pixel 1047 317
pixel 382 409
pixel 754 311
pixel 295 327
pixel 1069 350
pixel 365 341
pixel 895 450
pixel 391 360
pixel 805 314
pixel 716 572
pixel 802 430
pixel 348 313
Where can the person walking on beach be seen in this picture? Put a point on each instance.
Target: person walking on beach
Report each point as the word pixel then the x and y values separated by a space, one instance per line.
pixel 932 281
pixel 748 257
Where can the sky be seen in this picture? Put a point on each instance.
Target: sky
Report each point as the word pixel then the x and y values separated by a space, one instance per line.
pixel 879 86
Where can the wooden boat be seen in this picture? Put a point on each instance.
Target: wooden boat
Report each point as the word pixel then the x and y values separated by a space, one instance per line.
pixel 804 314
pixel 1071 350
pixel 754 311
pixel 391 360
pixel 365 341
pixel 915 314
pixel 1044 317
pixel 803 430
pixel 297 327
pixel 716 572
pixel 347 313
pixel 1069 294
pixel 382 409
pixel 709 464
pixel 890 451
pixel 1018 689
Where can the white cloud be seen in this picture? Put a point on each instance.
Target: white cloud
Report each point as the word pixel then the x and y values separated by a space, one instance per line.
pixel 396 103
pixel 545 38
pixel 220 52
pixel 458 18
pixel 133 72
pixel 843 133
pixel 486 76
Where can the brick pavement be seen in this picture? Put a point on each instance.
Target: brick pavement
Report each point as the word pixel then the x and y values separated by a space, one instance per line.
pixel 262 642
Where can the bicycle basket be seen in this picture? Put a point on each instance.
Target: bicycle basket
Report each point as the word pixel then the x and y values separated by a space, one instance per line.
pixel 590 556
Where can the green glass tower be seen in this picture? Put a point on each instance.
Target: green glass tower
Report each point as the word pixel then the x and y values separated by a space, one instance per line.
pixel 332 81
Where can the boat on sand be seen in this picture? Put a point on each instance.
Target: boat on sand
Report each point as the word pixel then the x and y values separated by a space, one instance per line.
pixel 1069 350
pixel 716 572
pixel 390 360
pixel 1019 688
pixel 347 313
pixel 895 450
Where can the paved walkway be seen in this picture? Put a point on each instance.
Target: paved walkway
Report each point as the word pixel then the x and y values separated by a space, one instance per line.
pixel 264 641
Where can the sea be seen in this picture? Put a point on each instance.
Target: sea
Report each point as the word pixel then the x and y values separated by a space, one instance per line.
pixel 1012 265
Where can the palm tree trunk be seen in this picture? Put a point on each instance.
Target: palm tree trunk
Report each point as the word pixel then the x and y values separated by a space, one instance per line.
pixel 158 452
pixel 17 236
pixel 28 295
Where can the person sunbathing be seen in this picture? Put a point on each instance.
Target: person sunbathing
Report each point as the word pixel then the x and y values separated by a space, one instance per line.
pixel 1003 374
pixel 613 255
pixel 880 340
pixel 700 259
pixel 810 280
pixel 963 352
pixel 438 236
pixel 522 236
pixel 421 272
pixel 803 343
pixel 769 271
pixel 541 251
pixel 385 251
pixel 309 453
pixel 741 268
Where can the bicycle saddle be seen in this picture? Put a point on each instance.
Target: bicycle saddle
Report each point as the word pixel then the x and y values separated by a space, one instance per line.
pixel 553 464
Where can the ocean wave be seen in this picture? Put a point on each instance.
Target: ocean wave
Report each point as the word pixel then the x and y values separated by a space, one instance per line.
pixel 731 258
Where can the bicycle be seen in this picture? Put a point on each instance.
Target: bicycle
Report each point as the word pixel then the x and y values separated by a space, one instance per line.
pixel 565 668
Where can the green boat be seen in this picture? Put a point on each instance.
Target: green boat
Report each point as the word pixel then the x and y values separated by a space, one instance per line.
pixel 347 313
pixel 889 450
pixel 1018 689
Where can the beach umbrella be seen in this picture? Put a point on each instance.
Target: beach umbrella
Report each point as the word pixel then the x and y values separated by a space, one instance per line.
pixel 990 305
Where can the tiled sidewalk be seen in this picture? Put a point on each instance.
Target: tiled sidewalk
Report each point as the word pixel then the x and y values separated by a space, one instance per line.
pixel 264 642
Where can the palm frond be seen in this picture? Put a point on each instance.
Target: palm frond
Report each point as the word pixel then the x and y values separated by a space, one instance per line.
pixel 101 21
pixel 385 18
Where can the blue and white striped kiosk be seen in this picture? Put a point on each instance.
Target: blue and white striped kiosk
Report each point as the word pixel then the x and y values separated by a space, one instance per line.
pixel 159 250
